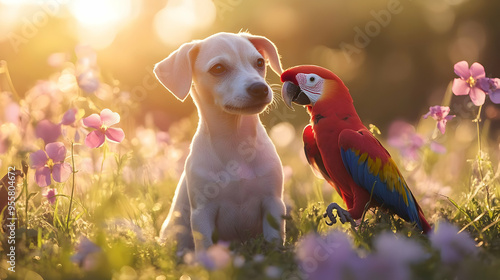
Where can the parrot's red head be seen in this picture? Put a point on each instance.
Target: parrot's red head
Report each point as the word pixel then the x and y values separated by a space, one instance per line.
pixel 305 84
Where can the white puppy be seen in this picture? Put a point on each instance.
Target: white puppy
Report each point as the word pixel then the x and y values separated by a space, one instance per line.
pixel 232 184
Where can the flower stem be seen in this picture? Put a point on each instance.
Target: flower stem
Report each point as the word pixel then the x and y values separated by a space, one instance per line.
pixel 72 187
pixel 477 120
pixel 102 163
pixel 25 186
pixel 4 69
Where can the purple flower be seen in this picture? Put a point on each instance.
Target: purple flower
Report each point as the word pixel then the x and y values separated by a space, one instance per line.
pixel 48 131
pixel 468 84
pixel 88 255
pixel 71 123
pixel 88 81
pixel 69 117
pixel 86 69
pixel 453 246
pixel 327 257
pixel 492 87
pixel 392 258
pixel 440 114
pixel 102 124
pixel 50 195
pixel 50 164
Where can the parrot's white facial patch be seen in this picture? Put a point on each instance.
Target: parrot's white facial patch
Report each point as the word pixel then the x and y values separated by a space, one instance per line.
pixel 311 85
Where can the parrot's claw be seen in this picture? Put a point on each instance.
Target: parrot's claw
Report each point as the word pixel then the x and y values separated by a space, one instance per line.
pixel 343 215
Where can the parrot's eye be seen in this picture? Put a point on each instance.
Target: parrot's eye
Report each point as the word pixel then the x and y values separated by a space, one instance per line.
pixel 312 79
pixel 217 69
pixel 261 63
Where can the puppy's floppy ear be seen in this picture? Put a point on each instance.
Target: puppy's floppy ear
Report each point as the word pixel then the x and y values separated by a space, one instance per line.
pixel 175 72
pixel 267 49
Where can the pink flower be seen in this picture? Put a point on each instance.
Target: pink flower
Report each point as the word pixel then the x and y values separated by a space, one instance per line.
pixel 50 195
pixel 215 257
pixel 13 113
pixel 403 136
pixel 102 123
pixel 57 59
pixel 492 87
pixel 437 148
pixel 468 84
pixel 440 114
pixel 50 164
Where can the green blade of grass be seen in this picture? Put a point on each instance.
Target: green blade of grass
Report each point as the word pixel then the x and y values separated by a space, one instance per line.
pixel 492 224
pixel 473 221
pixel 469 218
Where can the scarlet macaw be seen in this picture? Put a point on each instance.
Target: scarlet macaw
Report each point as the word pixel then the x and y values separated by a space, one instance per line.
pixel 344 151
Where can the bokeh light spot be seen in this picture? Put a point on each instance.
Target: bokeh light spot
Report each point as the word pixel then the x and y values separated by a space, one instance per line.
pixel 282 134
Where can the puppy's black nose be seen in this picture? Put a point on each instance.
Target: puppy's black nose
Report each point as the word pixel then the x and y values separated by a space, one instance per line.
pixel 258 89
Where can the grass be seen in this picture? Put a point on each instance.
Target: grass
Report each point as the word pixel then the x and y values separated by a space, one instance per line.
pixel 107 216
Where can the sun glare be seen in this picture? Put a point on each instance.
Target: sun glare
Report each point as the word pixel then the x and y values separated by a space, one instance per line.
pixel 100 12
pixel 176 22
pixel 14 2
pixel 100 20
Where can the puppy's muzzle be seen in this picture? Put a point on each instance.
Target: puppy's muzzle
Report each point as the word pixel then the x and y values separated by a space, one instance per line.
pixel 258 90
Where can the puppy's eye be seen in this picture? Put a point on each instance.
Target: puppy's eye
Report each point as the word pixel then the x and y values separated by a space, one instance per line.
pixel 261 63
pixel 217 69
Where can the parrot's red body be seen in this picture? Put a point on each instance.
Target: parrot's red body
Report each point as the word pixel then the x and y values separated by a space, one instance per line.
pixel 343 150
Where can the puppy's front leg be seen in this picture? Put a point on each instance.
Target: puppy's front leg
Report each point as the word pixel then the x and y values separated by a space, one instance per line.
pixel 275 207
pixel 203 225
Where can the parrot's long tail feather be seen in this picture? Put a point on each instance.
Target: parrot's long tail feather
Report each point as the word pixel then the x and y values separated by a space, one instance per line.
pixel 426 228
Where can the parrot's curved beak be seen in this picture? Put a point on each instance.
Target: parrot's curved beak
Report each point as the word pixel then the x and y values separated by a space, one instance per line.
pixel 292 93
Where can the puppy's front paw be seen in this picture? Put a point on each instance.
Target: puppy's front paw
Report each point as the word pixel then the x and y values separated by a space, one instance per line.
pixel 273 230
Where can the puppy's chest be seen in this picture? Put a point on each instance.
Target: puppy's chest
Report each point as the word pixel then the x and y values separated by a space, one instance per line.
pixel 238 170
pixel 237 180
pixel 241 178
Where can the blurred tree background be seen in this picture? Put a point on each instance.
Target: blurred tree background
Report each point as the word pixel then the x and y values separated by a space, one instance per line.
pixel 396 56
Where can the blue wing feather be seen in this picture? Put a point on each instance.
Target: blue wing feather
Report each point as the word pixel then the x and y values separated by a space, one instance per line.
pixel 384 191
